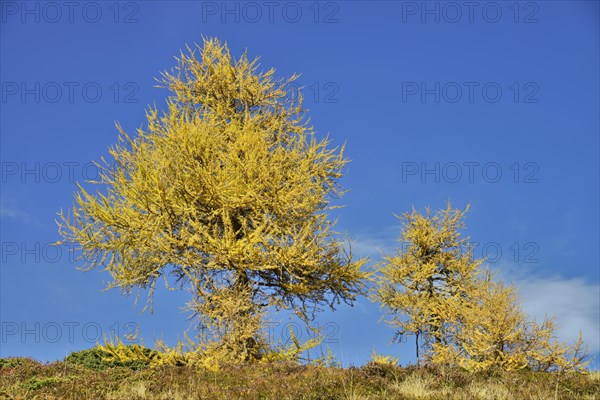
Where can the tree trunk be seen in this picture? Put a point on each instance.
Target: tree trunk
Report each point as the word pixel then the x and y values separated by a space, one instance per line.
pixel 417 348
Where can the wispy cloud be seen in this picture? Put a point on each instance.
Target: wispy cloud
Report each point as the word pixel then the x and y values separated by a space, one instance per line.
pixel 574 302
pixel 11 208
pixel 376 244
pixel 368 247
pixel 13 213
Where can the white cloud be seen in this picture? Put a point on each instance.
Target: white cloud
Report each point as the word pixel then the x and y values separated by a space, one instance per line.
pixel 574 302
pixel 368 247
pixel 7 212
pixel 375 245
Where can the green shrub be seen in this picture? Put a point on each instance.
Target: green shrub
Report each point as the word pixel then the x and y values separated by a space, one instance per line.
pixel 38 383
pixel 10 362
pixel 14 362
pixel 97 359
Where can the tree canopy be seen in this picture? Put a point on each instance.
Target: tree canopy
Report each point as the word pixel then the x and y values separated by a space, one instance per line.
pixel 229 191
pixel 436 289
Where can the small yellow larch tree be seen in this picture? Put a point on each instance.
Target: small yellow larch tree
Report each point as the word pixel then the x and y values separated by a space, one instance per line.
pixel 429 278
pixel 435 287
pixel 494 331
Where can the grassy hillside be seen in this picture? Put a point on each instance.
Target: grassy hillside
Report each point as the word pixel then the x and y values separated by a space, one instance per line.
pixel 83 377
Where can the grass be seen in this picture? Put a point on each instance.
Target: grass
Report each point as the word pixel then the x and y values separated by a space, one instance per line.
pixel 22 378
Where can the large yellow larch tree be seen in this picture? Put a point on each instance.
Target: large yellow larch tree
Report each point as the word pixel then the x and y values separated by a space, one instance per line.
pixel 229 192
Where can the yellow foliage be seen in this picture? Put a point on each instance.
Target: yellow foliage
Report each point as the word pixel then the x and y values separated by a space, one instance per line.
pixel 434 288
pixel 119 351
pixel 381 359
pixel 495 332
pixel 188 353
pixel 228 191
pixel 294 350
pixel 429 278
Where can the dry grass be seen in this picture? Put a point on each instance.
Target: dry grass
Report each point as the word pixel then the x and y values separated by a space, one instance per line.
pixel 28 379
pixel 490 390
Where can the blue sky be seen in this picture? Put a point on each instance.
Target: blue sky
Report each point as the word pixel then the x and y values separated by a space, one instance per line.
pixel 495 105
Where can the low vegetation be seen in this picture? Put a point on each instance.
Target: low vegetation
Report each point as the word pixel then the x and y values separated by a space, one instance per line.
pixel 78 377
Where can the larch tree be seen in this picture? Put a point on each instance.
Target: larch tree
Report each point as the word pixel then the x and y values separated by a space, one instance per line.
pixel 429 279
pixel 228 192
pixel 488 331
pixel 496 332
pixel 434 287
